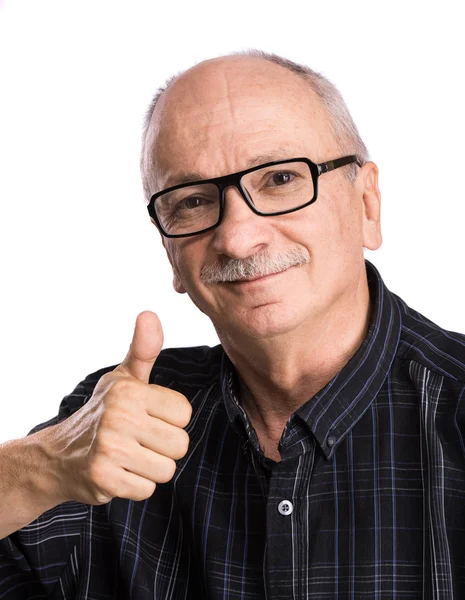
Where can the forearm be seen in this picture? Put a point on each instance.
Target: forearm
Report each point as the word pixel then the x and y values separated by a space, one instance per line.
pixel 28 485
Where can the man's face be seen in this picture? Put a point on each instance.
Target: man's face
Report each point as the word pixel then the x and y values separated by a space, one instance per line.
pixel 214 120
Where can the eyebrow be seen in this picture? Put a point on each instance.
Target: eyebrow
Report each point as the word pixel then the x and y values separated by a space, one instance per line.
pixel 279 154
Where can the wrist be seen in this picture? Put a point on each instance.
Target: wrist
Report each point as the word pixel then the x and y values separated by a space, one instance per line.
pixel 41 477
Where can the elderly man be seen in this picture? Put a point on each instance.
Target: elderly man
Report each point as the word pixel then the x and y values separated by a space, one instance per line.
pixel 318 452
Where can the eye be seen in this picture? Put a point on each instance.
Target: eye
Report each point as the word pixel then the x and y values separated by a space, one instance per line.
pixel 281 177
pixel 194 204
pixel 191 202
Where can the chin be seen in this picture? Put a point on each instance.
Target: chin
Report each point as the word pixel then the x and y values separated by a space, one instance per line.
pixel 264 322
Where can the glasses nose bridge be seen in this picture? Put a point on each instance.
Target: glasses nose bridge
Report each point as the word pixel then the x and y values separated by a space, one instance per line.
pixel 232 180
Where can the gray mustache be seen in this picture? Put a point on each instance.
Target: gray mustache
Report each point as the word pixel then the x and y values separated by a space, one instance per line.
pixel 258 265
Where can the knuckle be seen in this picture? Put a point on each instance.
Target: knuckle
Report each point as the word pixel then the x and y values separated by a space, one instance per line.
pixel 142 492
pixel 121 419
pixel 109 422
pixel 114 449
pixel 166 470
pixel 103 442
pixel 182 444
pixel 184 412
pixel 120 388
pixel 120 415
pixel 173 442
pixel 107 378
pixel 111 401
pixel 110 446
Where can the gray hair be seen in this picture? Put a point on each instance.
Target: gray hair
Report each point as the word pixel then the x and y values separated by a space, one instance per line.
pixel 341 124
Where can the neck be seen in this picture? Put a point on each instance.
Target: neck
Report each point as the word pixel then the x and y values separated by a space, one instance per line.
pixel 277 376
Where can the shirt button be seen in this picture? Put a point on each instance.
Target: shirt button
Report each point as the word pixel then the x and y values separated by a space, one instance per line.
pixel 285 507
pixel 331 440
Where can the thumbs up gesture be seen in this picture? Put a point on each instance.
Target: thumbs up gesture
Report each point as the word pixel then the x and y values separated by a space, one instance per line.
pixel 126 438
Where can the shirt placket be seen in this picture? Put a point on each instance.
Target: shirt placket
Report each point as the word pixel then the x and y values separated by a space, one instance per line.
pixel 286 556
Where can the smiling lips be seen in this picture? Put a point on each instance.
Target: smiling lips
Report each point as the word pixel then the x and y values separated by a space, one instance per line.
pixel 260 277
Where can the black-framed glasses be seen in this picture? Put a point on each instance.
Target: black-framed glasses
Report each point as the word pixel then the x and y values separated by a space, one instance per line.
pixel 274 188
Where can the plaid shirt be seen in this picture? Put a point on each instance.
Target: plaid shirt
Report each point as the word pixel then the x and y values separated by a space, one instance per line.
pixel 368 501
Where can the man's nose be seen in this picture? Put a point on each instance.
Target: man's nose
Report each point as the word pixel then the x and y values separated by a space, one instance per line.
pixel 241 232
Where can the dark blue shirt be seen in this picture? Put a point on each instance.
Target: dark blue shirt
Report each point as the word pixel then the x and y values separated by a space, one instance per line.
pixel 367 502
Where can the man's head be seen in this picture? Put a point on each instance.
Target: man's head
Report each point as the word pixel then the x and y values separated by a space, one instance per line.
pixel 213 120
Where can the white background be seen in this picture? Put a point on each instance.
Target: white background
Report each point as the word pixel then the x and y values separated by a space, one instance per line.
pixel 79 257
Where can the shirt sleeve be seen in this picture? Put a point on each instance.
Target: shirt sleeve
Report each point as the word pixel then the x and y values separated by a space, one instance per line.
pixel 45 553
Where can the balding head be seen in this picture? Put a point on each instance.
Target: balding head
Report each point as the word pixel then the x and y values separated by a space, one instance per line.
pixel 273 77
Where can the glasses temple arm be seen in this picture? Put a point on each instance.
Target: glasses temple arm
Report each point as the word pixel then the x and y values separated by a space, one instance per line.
pixel 330 165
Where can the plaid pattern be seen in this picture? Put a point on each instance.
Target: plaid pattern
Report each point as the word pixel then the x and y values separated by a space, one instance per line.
pixel 373 469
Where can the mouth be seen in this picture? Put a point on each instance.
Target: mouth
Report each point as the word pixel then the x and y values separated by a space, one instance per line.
pixel 258 278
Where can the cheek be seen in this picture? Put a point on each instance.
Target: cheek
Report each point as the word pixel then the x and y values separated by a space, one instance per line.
pixel 186 259
pixel 174 253
pixel 343 221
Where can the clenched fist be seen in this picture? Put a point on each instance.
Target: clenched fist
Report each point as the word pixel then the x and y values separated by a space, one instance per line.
pixel 125 439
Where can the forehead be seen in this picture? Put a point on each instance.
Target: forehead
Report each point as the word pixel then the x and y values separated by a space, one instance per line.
pixel 218 118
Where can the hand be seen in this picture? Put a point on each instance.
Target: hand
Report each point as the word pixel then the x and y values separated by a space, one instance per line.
pixel 126 438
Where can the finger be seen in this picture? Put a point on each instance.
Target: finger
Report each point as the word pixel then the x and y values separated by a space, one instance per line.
pixel 145 347
pixel 168 405
pixel 132 486
pixel 163 438
pixel 150 465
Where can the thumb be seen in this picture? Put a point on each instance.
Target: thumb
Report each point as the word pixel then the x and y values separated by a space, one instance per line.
pixel 146 345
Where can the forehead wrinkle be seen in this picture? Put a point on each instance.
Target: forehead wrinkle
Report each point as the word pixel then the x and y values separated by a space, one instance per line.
pixel 220 115
pixel 193 176
pixel 280 153
pixel 230 104
pixel 269 148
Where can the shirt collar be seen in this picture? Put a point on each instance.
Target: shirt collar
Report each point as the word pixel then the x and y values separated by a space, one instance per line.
pixel 334 410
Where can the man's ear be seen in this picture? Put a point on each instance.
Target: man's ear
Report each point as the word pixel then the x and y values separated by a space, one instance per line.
pixel 371 197
pixel 177 285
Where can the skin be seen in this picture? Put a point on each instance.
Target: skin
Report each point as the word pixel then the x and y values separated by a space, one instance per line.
pixel 289 334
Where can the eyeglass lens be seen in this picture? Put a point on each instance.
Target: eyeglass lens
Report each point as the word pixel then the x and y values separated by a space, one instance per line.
pixel 271 189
